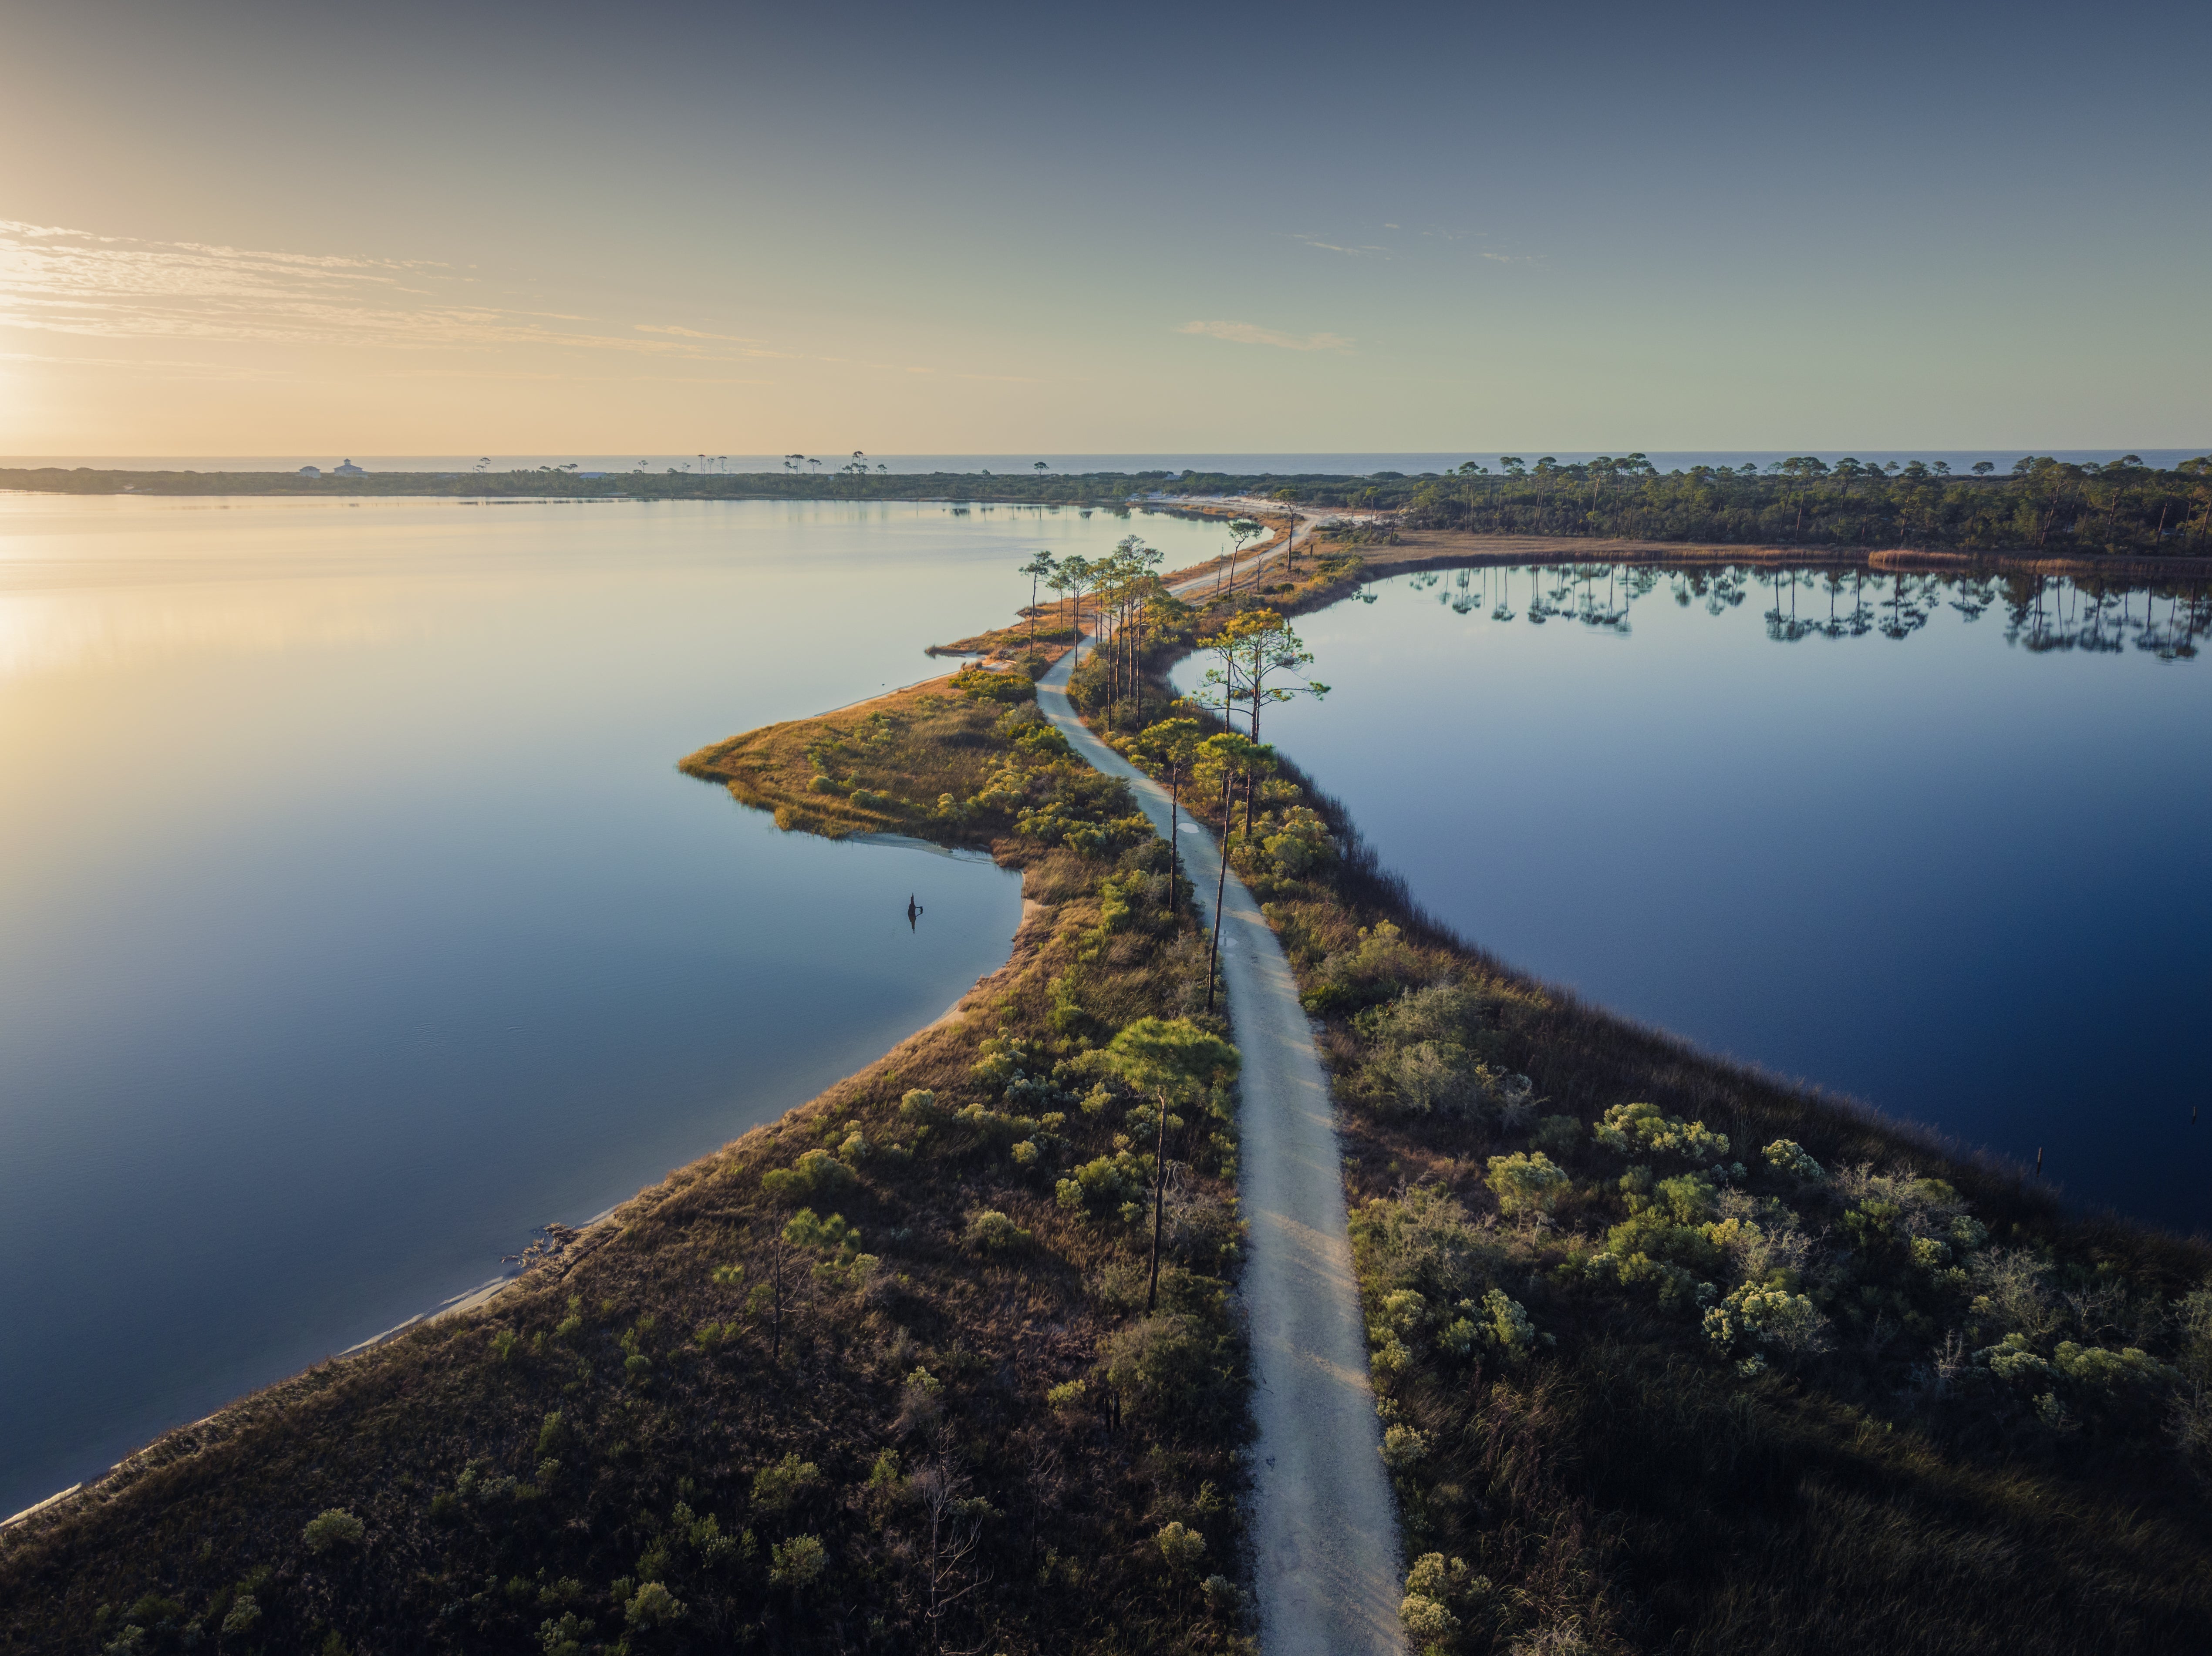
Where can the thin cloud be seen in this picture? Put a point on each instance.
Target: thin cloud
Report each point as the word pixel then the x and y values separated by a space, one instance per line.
pixel 692 333
pixel 58 280
pixel 1359 252
pixel 1245 333
pixel 178 366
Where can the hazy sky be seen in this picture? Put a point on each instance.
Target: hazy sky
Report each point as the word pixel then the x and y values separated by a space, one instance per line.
pixel 246 227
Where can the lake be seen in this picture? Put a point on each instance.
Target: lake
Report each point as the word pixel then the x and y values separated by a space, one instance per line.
pixel 355 920
pixel 1937 844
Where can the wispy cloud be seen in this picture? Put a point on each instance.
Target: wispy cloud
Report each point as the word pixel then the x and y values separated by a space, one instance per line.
pixel 1359 251
pixel 56 281
pixel 200 296
pixel 1245 333
pixel 170 366
pixel 674 331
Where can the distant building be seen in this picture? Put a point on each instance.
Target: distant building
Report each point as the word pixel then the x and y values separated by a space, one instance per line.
pixel 591 474
pixel 349 470
pixel 311 471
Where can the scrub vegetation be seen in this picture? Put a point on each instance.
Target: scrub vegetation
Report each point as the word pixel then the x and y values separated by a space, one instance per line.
pixel 942 1361
pixel 1669 1354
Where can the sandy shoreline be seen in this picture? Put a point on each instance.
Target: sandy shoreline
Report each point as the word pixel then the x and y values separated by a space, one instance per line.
pixel 572 1245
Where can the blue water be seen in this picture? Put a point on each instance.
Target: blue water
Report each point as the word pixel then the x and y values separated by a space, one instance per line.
pixel 1952 866
pixel 355 920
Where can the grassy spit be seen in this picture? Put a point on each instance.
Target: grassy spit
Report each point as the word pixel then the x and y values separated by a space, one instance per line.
pixel 1671 1355
pixel 878 1376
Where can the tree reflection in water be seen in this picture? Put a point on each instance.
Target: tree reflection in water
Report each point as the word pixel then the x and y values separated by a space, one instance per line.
pixel 2042 613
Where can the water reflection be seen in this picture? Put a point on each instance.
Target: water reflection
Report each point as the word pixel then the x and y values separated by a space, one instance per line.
pixel 2042 613
pixel 1954 877
pixel 355 920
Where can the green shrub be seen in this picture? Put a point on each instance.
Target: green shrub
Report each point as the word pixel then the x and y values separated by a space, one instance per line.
pixel 1788 1157
pixel 994 1233
pixel 1403 1448
pixel 1120 1183
pixel 1425 1621
pixel 815 1174
pixel 920 1105
pixel 654 1606
pixel 1506 1325
pixel 1423 1239
pixel 244 1616
pixel 798 1563
pixel 777 1488
pixel 1526 1184
pixel 1643 1130
pixel 979 684
pixel 1380 968
pixel 566 1637
pixel 1166 1366
pixel 1766 1316
pixel 332 1530
pixel 1183 1548
pixel 1300 845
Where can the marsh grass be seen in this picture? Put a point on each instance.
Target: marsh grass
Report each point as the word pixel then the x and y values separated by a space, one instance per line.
pixel 882 767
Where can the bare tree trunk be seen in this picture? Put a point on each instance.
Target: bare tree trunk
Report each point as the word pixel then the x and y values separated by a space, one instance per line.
pixel 949 1546
pixel 1174 823
pixel 1137 660
pixel 1159 1204
pixel 1220 886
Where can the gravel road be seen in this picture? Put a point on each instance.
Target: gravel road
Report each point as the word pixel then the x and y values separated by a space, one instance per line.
pixel 1324 1526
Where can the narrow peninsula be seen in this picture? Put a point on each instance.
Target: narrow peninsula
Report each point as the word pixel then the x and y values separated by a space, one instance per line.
pixel 1659 1353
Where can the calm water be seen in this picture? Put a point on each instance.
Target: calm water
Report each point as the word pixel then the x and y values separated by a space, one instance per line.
pixel 353 920
pixel 1945 853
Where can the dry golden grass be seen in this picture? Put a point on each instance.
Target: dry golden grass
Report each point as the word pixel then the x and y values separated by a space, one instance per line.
pixel 904 751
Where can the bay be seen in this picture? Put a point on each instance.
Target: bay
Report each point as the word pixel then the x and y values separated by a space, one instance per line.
pixel 355 920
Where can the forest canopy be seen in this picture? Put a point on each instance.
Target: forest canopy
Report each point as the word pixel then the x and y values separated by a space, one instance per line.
pixel 2041 503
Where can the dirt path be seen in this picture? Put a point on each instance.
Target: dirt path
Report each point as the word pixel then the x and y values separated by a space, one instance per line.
pixel 1324 1526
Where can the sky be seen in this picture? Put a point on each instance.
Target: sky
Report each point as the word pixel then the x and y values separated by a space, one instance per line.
pixel 236 227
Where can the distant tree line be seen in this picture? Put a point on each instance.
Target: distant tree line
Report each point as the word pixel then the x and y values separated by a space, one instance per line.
pixel 2043 504
pixel 853 480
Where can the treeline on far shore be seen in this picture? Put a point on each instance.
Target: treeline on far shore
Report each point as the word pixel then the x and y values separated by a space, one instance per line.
pixel 1102 489
pixel 2042 504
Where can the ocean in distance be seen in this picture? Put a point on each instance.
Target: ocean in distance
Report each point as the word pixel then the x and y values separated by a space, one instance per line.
pixel 1286 464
